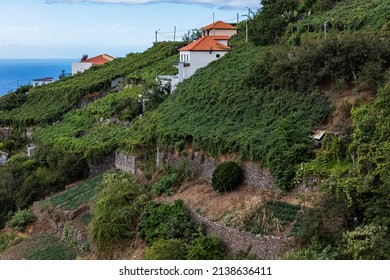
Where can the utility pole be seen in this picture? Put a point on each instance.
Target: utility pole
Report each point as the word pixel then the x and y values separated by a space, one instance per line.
pixel 156 37
pixel 238 18
pixel 246 31
pixel 246 25
pixel 174 34
pixel 325 26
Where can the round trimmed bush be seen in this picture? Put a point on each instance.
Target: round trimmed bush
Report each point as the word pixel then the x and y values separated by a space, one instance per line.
pixel 226 176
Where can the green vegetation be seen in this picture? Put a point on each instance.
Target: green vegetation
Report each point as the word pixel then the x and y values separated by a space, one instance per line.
pixel 117 210
pixel 171 249
pixel 271 217
pixel 359 59
pixel 24 180
pixel 75 197
pixel 366 243
pixel 226 176
pixel 165 221
pixel 165 184
pixel 225 115
pixel 47 247
pixel 311 65
pixel 44 105
pixel 21 219
pixel 7 239
pixel 206 248
pixel 82 132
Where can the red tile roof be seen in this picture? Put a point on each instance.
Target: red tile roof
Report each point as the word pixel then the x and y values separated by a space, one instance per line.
pixel 100 59
pixel 219 25
pixel 207 43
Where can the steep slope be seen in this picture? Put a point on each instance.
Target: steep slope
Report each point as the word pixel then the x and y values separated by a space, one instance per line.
pixel 47 104
pixel 218 112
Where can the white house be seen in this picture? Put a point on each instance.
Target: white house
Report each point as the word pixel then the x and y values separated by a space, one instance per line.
pixel 219 28
pixel 212 46
pixel 43 81
pixel 85 63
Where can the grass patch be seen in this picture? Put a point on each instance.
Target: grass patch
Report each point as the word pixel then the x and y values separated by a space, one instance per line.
pixel 47 247
pixel 271 217
pixel 77 196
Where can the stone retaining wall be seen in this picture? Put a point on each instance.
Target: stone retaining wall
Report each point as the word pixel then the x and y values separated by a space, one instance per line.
pixel 263 246
pixel 108 163
pixel 63 224
pixel 254 174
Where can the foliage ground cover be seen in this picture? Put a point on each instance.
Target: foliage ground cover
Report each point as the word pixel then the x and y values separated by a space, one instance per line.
pixel 47 104
pixel 77 196
pixel 116 211
pixel 47 247
pixel 225 115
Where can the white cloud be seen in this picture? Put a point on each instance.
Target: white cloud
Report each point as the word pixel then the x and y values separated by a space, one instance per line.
pixel 17 29
pixel 222 4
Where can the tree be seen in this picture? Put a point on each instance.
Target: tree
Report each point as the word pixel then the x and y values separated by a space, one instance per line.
pixel 62 75
pixel 192 35
pixel 269 23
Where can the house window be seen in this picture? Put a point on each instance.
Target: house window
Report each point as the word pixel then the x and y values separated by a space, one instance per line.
pixel 188 59
pixel 218 56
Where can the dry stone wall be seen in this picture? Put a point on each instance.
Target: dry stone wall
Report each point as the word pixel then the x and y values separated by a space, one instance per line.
pixel 235 241
pixel 108 163
pixel 254 174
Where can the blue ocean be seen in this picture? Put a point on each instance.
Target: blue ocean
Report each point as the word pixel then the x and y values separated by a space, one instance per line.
pixel 17 72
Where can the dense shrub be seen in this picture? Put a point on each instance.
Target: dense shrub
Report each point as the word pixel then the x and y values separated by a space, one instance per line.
pixel 21 219
pixel 206 248
pixel 308 224
pixel 268 25
pixel 166 184
pixel 165 221
pixel 6 240
pixel 359 58
pixel 369 242
pixel 226 176
pixel 315 251
pixel 116 212
pixel 171 249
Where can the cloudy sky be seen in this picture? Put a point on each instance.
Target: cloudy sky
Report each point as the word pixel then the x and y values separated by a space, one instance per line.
pixel 70 28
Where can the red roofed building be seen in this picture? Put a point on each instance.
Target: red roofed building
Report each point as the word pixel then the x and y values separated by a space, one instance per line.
pixel 219 28
pixel 85 63
pixel 198 54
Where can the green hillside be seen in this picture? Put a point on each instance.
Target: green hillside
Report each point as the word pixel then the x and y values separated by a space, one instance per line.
pixel 309 65
pixel 47 104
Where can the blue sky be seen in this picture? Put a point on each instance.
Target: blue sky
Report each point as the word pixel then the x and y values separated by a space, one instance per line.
pixel 70 28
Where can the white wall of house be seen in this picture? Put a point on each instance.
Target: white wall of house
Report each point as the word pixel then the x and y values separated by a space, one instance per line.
pixel 224 42
pixel 185 56
pixel 219 32
pixel 200 59
pixel 79 67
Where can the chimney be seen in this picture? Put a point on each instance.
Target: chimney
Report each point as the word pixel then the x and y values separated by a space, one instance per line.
pixel 84 58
